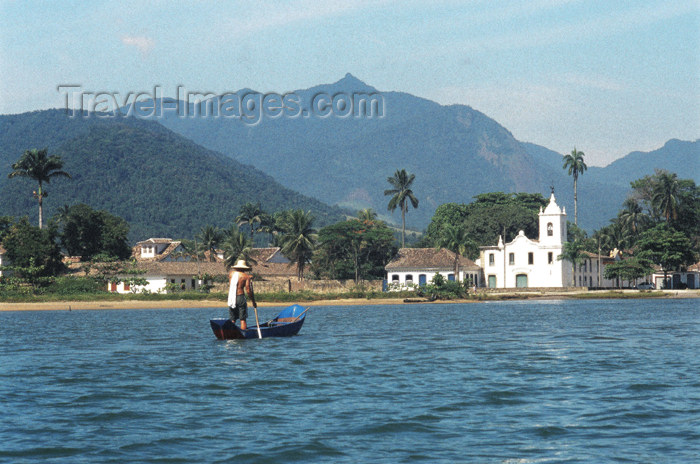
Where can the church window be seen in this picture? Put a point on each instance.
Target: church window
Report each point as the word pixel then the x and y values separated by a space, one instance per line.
pixel 511 258
pixel 492 259
pixel 550 257
pixel 550 229
pixel 530 258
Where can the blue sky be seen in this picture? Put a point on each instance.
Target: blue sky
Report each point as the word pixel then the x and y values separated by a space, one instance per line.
pixel 607 77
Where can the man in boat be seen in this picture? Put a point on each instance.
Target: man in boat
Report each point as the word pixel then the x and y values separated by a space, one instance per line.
pixel 240 283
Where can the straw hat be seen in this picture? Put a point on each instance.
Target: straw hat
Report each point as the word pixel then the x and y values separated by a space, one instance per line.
pixel 242 265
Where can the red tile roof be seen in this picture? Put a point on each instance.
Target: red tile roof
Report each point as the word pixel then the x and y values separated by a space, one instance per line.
pixel 428 258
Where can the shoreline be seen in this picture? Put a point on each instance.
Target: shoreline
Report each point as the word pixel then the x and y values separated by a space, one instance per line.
pixel 172 304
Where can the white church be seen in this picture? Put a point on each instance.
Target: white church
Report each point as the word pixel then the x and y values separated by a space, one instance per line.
pixel 526 262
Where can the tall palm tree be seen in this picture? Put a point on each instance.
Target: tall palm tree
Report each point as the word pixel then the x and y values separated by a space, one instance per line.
pixel 236 246
pixel 39 166
pixel 209 239
pixel 455 238
pixel 665 195
pixel 402 194
pixel 250 214
pixel 297 238
pixel 574 162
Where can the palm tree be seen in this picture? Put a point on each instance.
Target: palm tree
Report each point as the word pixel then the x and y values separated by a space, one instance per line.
pixel 574 162
pixel 632 217
pixel 236 246
pixel 367 214
pixel 455 239
pixel 38 165
pixel 665 195
pixel 573 253
pixel 297 238
pixel 209 239
pixel 401 191
pixel 250 214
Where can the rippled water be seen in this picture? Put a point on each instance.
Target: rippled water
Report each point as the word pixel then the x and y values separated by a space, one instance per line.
pixel 514 382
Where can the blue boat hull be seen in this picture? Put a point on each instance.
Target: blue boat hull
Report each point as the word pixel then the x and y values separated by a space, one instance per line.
pixel 286 324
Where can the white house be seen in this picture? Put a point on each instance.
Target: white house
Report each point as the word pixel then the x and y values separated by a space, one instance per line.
pixel 526 262
pixel 158 249
pixel 158 263
pixel 417 266
pixel 3 259
pixel 690 278
pixel 591 272
pixel 159 274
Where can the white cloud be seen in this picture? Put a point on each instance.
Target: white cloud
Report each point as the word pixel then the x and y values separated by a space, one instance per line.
pixel 142 43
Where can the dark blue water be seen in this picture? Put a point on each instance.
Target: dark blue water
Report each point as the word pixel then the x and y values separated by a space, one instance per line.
pixel 514 382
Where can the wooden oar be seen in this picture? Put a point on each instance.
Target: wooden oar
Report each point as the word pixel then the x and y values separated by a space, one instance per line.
pixel 297 318
pixel 257 323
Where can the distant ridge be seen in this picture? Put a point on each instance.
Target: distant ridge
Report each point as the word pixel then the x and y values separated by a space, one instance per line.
pixel 160 182
pixel 455 151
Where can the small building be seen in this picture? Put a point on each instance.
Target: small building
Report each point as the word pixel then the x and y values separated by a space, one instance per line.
pixel 160 274
pixel 525 262
pixel 688 278
pixel 271 264
pixel 159 249
pixel 417 266
pixel 3 260
pixel 591 272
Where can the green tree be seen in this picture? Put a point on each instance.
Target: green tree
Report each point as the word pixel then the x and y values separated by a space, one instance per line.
pixel 445 215
pixel 666 247
pixel 576 165
pixel 297 237
pixel 209 239
pixel 354 249
pixel 367 214
pixel 236 246
pixel 665 195
pixel 629 269
pixel 29 246
pixel 632 217
pixel 455 239
pixel 402 195
pixel 250 214
pixel 39 166
pixel 87 233
pixel 498 213
pixel 573 252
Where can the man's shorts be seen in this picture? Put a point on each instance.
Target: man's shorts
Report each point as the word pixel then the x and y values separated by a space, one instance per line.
pixel 240 311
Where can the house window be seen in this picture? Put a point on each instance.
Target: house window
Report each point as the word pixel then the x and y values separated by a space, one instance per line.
pixel 530 258
pixel 511 259
pixel 584 266
pixel 492 259
pixel 395 278
pixel 127 287
pixel 192 283
pixel 550 229
pixel 409 278
pixel 550 257
pixel 172 281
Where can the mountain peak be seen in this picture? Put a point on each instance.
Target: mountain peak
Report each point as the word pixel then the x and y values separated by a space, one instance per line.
pixel 350 82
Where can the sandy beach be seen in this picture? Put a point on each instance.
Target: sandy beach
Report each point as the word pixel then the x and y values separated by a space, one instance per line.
pixel 142 304
pixel 138 304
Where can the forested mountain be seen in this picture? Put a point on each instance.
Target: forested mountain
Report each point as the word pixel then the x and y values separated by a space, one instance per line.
pixel 455 151
pixel 162 183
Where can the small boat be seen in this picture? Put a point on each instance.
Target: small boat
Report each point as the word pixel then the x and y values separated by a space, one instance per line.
pixel 287 323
